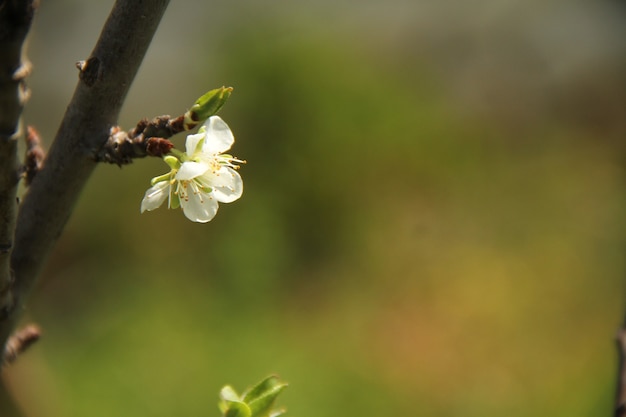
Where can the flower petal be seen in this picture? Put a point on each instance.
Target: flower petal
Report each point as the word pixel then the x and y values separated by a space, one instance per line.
pixel 155 196
pixel 191 144
pixel 227 185
pixel 199 207
pixel 219 138
pixel 190 169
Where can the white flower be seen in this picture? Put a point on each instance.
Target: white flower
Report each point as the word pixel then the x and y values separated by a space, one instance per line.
pixel 201 177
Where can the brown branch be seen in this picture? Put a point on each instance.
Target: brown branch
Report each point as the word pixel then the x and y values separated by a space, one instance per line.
pixel 19 342
pixel 15 19
pixel 148 138
pixel 93 110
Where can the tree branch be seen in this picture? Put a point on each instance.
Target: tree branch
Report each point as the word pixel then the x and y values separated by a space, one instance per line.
pixel 15 20
pixel 104 81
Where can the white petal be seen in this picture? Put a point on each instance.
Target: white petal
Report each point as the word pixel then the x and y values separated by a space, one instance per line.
pixel 192 142
pixel 227 185
pixel 219 138
pixel 155 196
pixel 190 169
pixel 199 207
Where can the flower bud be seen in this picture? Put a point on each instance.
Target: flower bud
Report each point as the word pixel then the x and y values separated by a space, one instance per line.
pixel 158 147
pixel 206 106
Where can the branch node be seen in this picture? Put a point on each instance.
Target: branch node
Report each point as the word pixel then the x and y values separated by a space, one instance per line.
pixel 90 70
pixel 34 154
pixel 147 138
pixel 118 148
pixel 22 71
pixel 19 342
pixel 158 147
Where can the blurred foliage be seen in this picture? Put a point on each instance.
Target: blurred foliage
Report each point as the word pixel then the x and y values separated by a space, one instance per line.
pixel 432 225
pixel 257 401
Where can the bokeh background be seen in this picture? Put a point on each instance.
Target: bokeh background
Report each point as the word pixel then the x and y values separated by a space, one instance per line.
pixel 432 222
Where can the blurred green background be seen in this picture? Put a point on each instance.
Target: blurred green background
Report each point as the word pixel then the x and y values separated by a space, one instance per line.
pixel 432 222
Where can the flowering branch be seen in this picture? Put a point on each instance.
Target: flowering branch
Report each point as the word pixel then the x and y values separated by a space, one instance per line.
pixel 201 177
pixel 104 82
pixel 122 147
pixel 148 138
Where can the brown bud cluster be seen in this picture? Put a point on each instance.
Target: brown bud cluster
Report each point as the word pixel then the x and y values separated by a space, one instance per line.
pixel 34 155
pixel 158 147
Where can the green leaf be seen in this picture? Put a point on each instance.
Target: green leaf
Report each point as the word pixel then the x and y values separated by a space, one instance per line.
pixel 237 409
pixel 229 394
pixel 259 389
pixel 231 405
pixel 261 397
pixel 255 402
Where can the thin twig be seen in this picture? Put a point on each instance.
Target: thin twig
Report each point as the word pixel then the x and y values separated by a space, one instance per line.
pixel 148 138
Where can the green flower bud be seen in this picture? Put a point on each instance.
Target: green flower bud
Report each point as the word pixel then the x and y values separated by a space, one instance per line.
pixel 206 106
